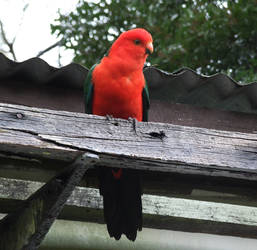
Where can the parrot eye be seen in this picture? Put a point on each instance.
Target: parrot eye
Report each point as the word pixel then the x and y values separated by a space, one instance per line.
pixel 137 42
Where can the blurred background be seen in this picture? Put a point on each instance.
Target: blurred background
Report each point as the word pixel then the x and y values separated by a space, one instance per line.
pixel 207 36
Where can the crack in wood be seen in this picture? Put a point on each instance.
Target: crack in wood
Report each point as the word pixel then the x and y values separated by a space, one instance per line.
pixel 159 135
pixel 185 149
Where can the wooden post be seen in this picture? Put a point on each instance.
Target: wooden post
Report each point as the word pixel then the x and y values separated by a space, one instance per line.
pixel 27 226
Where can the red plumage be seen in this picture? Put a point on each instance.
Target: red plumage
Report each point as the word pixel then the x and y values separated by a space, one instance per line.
pixel 118 84
pixel 118 80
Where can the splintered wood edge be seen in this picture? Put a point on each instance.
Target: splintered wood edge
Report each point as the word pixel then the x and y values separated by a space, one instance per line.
pixel 62 135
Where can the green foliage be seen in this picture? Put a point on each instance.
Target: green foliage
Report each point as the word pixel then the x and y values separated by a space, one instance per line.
pixel 220 38
pixel 208 36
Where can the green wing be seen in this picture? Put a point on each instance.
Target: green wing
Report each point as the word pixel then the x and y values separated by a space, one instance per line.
pixel 89 91
pixel 146 102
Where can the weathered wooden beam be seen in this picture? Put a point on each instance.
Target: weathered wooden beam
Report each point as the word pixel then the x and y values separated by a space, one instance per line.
pixel 159 211
pixel 59 135
pixel 206 188
pixel 27 226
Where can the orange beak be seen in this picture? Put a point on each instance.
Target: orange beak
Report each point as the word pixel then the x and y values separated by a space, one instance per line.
pixel 149 48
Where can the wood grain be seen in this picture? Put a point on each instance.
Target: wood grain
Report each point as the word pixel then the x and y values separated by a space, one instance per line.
pixel 159 211
pixel 61 135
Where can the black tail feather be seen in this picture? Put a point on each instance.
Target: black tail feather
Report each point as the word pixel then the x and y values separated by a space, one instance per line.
pixel 122 202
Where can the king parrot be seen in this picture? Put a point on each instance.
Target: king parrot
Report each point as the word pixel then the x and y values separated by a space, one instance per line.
pixel 116 87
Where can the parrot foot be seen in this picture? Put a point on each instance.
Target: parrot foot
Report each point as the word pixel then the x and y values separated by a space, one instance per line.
pixel 109 117
pixel 134 124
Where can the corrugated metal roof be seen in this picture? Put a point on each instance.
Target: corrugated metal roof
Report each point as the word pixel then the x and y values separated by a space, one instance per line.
pixel 218 91
pixel 183 86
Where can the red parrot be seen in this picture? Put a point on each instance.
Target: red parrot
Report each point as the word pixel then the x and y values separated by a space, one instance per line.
pixel 116 87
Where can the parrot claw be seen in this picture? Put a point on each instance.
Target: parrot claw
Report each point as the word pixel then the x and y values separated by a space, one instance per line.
pixel 109 117
pixel 134 124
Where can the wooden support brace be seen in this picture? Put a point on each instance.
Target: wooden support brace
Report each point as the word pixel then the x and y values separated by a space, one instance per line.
pixel 25 228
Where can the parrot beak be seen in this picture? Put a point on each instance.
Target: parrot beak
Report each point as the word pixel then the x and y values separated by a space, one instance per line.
pixel 149 48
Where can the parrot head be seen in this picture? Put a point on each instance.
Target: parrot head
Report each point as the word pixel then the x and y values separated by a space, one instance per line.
pixel 134 45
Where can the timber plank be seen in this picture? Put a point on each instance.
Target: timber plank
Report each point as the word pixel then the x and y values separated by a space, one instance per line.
pixel 62 135
pixel 159 211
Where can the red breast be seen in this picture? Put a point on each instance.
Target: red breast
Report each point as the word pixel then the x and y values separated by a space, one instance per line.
pixel 117 95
